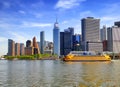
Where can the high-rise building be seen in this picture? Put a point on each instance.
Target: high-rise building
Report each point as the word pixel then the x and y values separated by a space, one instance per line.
pixel 11 47
pixel 17 49
pixel 103 33
pixel 29 49
pixel 66 41
pixel 56 39
pixel 90 31
pixel 61 43
pixel 42 41
pixel 117 23
pixel 22 51
pixel 77 42
pixel 28 43
pixel 114 39
pixel 35 45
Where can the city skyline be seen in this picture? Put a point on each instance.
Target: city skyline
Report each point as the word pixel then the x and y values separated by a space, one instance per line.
pixel 21 20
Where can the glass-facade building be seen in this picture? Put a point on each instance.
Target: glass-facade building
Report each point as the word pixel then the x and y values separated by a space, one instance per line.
pixel 56 39
pixel 77 42
pixel 42 41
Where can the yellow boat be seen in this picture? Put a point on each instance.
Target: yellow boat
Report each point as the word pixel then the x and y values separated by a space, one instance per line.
pixel 86 56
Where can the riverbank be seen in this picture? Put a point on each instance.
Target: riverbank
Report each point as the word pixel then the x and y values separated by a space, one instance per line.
pixel 33 57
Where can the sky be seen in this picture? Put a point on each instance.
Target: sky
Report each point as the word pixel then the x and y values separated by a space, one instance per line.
pixel 21 20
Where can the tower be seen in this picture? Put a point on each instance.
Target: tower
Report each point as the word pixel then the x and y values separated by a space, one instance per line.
pixel 56 39
pixel 91 34
pixel 11 47
pixel 42 41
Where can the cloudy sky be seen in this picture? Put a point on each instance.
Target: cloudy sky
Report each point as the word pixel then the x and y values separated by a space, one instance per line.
pixel 20 20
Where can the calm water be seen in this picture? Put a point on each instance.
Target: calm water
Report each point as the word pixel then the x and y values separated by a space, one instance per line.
pixel 51 73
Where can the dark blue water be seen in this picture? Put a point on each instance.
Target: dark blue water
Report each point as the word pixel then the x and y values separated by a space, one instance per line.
pixel 51 73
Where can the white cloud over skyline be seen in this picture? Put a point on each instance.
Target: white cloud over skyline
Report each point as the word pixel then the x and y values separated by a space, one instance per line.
pixel 67 4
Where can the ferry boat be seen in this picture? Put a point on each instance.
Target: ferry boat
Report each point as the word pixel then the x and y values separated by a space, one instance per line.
pixel 89 56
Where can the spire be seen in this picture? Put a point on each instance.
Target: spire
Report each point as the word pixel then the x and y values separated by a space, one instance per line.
pixel 56 19
pixel 56 23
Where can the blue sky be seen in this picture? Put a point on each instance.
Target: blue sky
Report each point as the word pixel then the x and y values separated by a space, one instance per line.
pixel 20 20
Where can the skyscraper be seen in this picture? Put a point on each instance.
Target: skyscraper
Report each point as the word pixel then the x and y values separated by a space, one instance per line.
pixel 56 39
pixel 29 49
pixel 77 42
pixel 35 45
pixel 90 32
pixel 114 39
pixel 22 51
pixel 42 41
pixel 103 33
pixel 90 29
pixel 11 47
pixel 17 49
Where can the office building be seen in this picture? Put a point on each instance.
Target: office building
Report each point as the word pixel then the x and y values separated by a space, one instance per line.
pixel 42 41
pixel 22 49
pixel 35 45
pixel 117 23
pixel 77 42
pixel 29 49
pixel 17 49
pixel 61 43
pixel 114 39
pixel 95 46
pixel 11 47
pixel 28 43
pixel 66 41
pixel 90 32
pixel 103 34
pixel 56 39
pixel 90 29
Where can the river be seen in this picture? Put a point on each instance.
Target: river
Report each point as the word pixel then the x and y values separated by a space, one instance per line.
pixel 55 73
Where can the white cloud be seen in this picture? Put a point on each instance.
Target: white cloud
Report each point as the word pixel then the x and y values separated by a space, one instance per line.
pixel 38 15
pixel 64 22
pixel 86 14
pixel 35 24
pixel 67 4
pixel 19 37
pixel 2 39
pixel 22 12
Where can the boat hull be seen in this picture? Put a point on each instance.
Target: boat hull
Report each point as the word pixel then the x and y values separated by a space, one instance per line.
pixel 86 58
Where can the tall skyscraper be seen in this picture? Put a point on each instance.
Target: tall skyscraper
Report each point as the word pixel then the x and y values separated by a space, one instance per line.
pixel 103 33
pixel 66 41
pixel 42 41
pixel 114 39
pixel 17 49
pixel 56 39
pixel 90 29
pixel 35 45
pixel 11 47
pixel 22 51
pixel 61 43
pixel 90 32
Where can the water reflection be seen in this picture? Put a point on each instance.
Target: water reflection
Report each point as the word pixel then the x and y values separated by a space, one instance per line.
pixel 50 73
